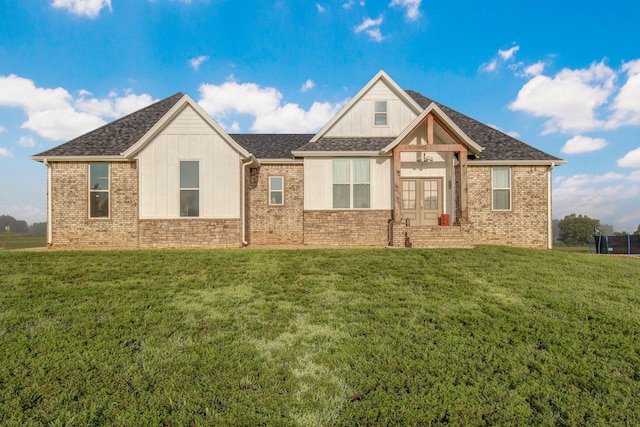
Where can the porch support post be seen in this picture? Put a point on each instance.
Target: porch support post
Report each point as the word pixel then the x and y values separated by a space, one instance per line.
pixel 397 185
pixel 464 189
pixel 429 129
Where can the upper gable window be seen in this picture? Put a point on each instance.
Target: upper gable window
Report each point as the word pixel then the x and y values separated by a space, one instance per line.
pixel 380 113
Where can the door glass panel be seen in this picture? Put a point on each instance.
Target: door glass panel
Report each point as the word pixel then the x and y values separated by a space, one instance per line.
pixel 408 194
pixel 431 195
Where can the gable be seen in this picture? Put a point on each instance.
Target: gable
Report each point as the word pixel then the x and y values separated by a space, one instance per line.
pixel 357 118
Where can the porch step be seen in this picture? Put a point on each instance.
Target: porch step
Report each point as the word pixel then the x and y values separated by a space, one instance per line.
pixel 453 236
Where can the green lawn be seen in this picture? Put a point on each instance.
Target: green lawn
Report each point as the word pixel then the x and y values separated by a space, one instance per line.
pixel 10 241
pixel 489 336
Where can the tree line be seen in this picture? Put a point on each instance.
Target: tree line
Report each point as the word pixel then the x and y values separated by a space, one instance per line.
pixel 9 224
pixel 577 229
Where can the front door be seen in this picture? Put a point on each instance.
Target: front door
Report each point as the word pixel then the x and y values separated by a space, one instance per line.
pixel 422 200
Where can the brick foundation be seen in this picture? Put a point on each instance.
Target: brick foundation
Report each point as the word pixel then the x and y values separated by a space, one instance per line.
pixel 190 233
pixel 346 228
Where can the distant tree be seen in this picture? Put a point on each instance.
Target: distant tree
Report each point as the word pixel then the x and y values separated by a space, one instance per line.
pixel 38 228
pixel 620 233
pixel 576 229
pixel 637 232
pixel 6 221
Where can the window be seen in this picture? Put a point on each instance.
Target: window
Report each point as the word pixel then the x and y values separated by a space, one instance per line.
pixel 380 113
pixel 276 190
pixel 501 188
pixel 99 190
pixel 351 184
pixel 189 188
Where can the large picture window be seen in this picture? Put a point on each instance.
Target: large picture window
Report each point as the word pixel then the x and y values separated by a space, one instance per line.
pixel 351 184
pixel 276 190
pixel 501 185
pixel 99 190
pixel 190 188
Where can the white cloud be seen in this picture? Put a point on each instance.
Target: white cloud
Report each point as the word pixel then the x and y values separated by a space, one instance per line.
pixel 350 3
pixel 372 28
pixel 5 153
pixel 606 197
pixel 320 8
pixel 88 8
pixel 631 159
pixel 55 114
pixel 569 99
pixel 27 141
pixel 412 7
pixel 309 84
pixel 3 129
pixel 583 144
pixel 502 56
pixel 509 53
pixel 264 103
pixel 626 104
pixel 535 69
pixel 196 62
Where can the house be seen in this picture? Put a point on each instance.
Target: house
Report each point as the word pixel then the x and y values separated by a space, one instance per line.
pixel 392 168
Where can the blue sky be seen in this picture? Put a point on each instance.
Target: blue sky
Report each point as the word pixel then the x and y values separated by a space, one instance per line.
pixel 561 76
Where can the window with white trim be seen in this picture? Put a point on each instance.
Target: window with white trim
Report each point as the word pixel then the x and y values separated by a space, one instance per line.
pixel 276 190
pixel 189 188
pixel 380 114
pixel 501 188
pixel 351 184
pixel 98 190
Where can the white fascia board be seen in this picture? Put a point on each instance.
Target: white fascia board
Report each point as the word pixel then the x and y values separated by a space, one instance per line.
pixel 516 162
pixel 170 115
pixel 381 75
pixel 433 108
pixel 338 154
pixel 80 158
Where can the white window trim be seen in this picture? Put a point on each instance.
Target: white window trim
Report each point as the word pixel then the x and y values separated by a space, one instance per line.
pixel 493 188
pixel 280 191
pixel 98 191
pixel 352 183
pixel 180 188
pixel 386 113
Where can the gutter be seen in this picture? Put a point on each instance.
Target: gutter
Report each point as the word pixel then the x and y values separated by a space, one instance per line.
pixel 251 161
pixel 49 207
pixel 549 213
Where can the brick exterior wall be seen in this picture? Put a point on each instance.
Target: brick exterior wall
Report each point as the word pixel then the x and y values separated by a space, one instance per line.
pixel 526 224
pixel 346 227
pixel 455 236
pixel 190 233
pixel 275 224
pixel 70 222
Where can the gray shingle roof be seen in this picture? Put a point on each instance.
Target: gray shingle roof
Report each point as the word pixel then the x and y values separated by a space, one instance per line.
pixel 271 146
pixel 497 145
pixel 348 144
pixel 116 137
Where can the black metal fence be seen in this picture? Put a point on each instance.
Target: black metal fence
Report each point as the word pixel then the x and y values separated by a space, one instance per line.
pixel 628 244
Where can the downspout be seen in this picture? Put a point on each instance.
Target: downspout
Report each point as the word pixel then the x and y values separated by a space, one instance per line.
pixel 49 207
pixel 252 161
pixel 549 213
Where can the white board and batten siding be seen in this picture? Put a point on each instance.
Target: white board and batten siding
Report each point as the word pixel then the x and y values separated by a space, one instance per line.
pixel 189 137
pixel 318 183
pixel 359 120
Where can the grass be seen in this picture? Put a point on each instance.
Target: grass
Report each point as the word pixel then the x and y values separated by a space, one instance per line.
pixel 489 336
pixel 10 241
